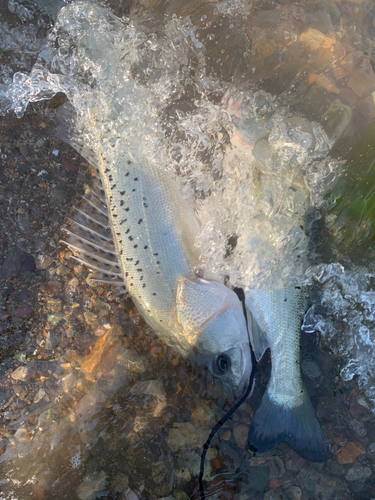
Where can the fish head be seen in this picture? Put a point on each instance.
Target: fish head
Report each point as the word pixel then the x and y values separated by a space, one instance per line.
pixel 211 319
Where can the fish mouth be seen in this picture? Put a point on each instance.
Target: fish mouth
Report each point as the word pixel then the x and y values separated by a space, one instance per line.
pixel 247 367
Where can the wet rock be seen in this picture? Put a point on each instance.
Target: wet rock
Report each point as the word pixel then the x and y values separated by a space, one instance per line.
pixel 240 433
pixel 206 413
pixel 362 81
pixel 276 466
pixel 91 319
pixel 28 264
pixel 294 493
pixel 293 461
pixel 12 263
pixel 358 473
pixel 311 369
pixel 186 435
pixel 335 468
pixel 256 478
pixel 39 395
pixel 120 482
pixel 47 416
pixel 54 319
pixel 54 305
pixel 23 149
pixel 276 494
pixel 22 373
pixel 57 196
pixel 25 311
pixel 350 452
pixel 182 476
pixel 194 464
pixel 91 485
pixel 132 362
pixel 312 38
pixel 180 495
pixel 43 261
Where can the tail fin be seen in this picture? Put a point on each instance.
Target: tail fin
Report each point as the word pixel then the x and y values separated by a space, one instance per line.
pixel 297 426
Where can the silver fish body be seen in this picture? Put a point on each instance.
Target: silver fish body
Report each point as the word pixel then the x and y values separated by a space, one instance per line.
pixel 285 413
pixel 149 247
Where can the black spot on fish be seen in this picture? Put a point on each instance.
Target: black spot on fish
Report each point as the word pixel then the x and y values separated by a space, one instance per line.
pixel 122 203
pixel 113 187
pixel 107 170
pixel 123 220
pixel 133 190
pixel 136 264
pixel 154 293
pixel 126 274
pixel 144 285
pixel 145 247
pixel 127 209
pixel 131 284
pixel 158 272
pixel 135 178
pixel 115 215
pixel 120 241
pixel 140 221
pixel 131 238
pixel 122 193
pixel 118 234
pixel 129 163
pixel 129 259
pixel 144 198
pixel 121 251
pixel 161 321
pixel 155 254
pixel 145 205
pixel 158 262
pixel 110 177
pixel 140 270
pixel 127 231
pixel 141 278
pixel 127 173
pixel 135 246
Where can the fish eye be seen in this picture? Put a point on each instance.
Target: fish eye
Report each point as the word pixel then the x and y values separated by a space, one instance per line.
pixel 222 363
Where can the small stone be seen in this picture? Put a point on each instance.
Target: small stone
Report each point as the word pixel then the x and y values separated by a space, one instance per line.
pixel 91 319
pixel 132 361
pixel 358 473
pixel 62 270
pixel 206 413
pixel 40 143
pixel 257 478
pixel 185 436
pixel 54 305
pixel 240 433
pixel 25 311
pixel 180 495
pixel 294 493
pixel 54 319
pixel 91 485
pixel 276 466
pixel 293 461
pixel 39 395
pixel 312 38
pixel 311 369
pixel 182 476
pixel 194 465
pixel 276 494
pixel 350 452
pixel 23 149
pixel 21 373
pixel 43 261
pixel 47 416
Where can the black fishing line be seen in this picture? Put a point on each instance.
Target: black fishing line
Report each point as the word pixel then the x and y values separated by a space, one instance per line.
pixel 241 296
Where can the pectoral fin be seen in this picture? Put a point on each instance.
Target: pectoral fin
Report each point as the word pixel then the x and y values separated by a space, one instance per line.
pixel 297 426
pixel 197 301
pixel 258 338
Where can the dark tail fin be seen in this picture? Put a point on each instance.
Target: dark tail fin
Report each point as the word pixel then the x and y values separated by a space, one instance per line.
pixel 297 426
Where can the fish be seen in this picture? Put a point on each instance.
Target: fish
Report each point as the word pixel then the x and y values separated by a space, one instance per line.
pixel 285 413
pixel 136 232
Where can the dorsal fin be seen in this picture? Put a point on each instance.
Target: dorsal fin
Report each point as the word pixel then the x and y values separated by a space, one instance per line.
pixel 89 237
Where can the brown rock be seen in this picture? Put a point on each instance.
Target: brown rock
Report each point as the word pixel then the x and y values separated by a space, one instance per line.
pixel 362 81
pixel 350 452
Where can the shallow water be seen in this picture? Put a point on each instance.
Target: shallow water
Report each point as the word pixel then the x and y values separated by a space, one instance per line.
pixel 254 108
